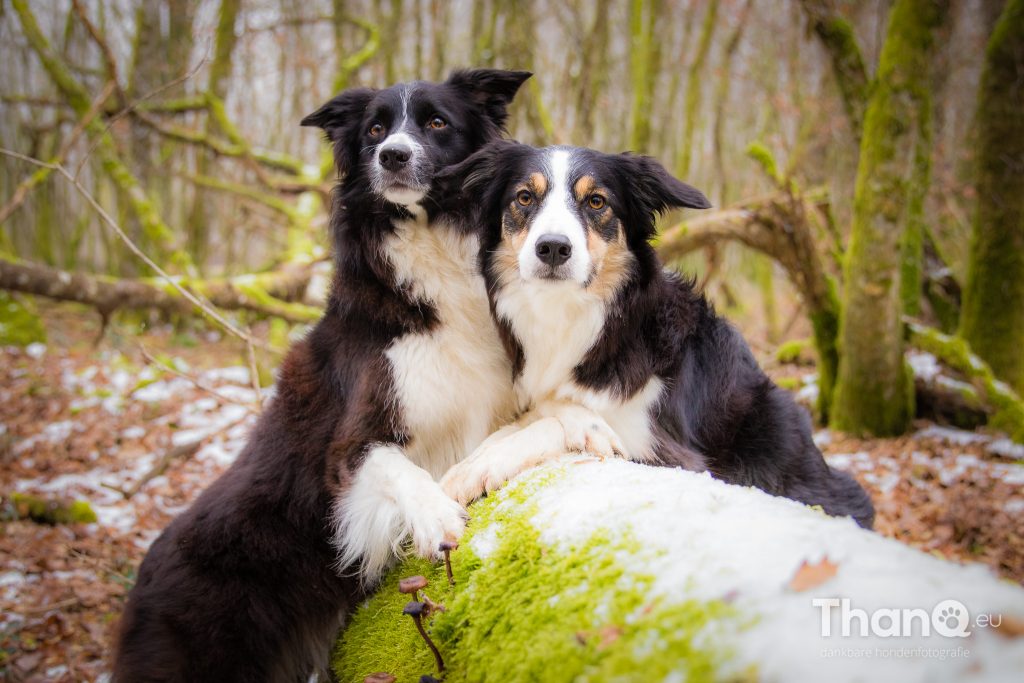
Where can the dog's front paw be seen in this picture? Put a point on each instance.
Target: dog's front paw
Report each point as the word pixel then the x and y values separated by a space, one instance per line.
pixel 498 460
pixel 588 432
pixel 436 517
pixel 465 482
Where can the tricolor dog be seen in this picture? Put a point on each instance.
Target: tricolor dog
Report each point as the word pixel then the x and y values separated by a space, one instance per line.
pixel 403 376
pixel 591 319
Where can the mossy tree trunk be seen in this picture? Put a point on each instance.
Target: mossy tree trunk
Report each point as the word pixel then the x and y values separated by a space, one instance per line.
pixel 693 90
pixel 992 317
pixel 874 392
pixel 216 87
pixel 141 204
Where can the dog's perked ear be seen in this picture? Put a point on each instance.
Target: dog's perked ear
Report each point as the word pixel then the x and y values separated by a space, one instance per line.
pixel 478 183
pixel 341 119
pixel 649 189
pixel 492 89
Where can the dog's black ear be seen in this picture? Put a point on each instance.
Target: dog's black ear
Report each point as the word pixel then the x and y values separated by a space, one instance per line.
pixel 341 118
pixel 493 89
pixel 477 183
pixel 650 190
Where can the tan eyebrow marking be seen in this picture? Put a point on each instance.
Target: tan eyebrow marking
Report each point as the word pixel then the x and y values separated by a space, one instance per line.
pixel 584 186
pixel 539 182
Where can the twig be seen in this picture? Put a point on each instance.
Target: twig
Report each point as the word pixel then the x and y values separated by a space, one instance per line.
pixel 112 224
pixel 254 374
pixel 40 609
pixel 196 382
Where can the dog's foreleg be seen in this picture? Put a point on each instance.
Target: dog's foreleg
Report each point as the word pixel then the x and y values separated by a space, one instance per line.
pixel 391 500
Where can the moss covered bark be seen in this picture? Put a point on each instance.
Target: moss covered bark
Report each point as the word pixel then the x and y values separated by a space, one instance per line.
pixel 693 89
pixel 836 35
pixel 874 392
pixel 992 318
pixel 534 612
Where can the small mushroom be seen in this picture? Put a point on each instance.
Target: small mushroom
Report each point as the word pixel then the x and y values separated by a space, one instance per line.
pixel 416 610
pixel 447 547
pixel 379 677
pixel 412 585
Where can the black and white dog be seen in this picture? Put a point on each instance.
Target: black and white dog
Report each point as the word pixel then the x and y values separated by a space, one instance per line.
pixel 590 318
pixel 402 377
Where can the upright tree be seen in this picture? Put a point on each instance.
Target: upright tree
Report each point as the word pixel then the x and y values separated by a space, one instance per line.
pixel 874 391
pixel 992 317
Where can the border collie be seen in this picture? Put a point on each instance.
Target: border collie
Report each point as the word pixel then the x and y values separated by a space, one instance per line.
pixel 403 376
pixel 591 318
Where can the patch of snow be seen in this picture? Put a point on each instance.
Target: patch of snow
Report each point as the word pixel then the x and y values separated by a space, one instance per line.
pixel 233 374
pixel 951 435
pixel 36 350
pixel 822 438
pixel 55 432
pixel 134 432
pixel 1006 448
pixel 925 365
pixel 1014 507
pixel 161 390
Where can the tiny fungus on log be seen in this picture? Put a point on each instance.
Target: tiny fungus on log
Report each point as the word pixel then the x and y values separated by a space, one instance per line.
pixel 416 610
pixel 447 547
pixel 412 585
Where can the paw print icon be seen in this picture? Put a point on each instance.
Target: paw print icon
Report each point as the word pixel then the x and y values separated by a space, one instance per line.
pixel 950 619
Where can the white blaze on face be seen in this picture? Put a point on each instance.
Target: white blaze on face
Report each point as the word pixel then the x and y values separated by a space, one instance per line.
pixel 405 195
pixel 557 216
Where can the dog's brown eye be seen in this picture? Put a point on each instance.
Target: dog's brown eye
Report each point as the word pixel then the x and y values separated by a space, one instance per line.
pixel 524 197
pixel 437 123
pixel 375 130
pixel 596 202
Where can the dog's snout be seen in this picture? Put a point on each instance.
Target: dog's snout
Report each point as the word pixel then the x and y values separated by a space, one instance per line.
pixel 395 156
pixel 554 250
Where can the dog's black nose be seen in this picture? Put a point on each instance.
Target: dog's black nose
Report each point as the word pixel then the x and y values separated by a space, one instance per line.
pixel 554 250
pixel 394 157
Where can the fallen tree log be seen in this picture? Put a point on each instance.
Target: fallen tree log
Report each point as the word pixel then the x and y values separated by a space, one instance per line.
pixel 598 571
pixel 272 293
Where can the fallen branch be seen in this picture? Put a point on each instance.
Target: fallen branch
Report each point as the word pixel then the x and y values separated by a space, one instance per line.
pixel 265 293
pixel 1004 407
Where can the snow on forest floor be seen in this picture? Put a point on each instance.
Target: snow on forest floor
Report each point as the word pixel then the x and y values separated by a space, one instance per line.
pixel 78 422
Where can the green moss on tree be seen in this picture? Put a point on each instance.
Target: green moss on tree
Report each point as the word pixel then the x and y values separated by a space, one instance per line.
pixel 992 319
pixel 592 615
pixel 873 394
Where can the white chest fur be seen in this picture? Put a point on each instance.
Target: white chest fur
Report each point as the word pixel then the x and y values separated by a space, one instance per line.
pixel 453 383
pixel 556 323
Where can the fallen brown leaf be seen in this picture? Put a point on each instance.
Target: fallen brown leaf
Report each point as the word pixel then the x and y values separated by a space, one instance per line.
pixel 812 575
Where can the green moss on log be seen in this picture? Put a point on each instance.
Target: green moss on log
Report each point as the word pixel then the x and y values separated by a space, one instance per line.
pixel 593 616
pixel 1005 406
pixel 19 324
pixel 43 511
pixel 992 319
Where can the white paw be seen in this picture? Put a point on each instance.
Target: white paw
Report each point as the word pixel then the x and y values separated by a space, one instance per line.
pixel 434 517
pixel 498 460
pixel 588 432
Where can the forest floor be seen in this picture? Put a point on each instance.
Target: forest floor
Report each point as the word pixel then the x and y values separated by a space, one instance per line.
pixel 94 423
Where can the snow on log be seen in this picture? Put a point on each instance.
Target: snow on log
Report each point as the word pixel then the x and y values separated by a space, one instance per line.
pixel 598 571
